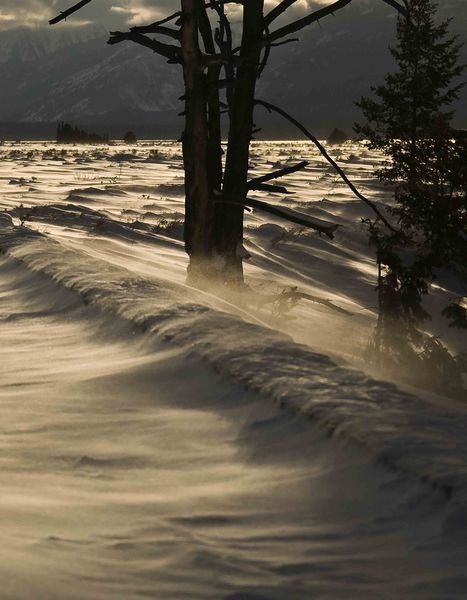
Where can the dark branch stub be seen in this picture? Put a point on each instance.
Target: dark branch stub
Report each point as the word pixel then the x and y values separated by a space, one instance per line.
pixel 282 43
pixel 66 13
pixel 253 183
pixel 272 188
pixel 157 29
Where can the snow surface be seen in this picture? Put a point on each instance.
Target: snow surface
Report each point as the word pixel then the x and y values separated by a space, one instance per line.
pixel 157 439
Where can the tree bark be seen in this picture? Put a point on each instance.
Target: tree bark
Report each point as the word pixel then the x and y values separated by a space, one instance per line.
pixel 229 218
pixel 199 205
pixel 213 104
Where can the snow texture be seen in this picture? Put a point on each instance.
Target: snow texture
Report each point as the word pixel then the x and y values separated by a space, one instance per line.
pixel 164 442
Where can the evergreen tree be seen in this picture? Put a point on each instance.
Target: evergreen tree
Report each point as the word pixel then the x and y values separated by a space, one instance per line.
pixel 408 119
pixel 420 92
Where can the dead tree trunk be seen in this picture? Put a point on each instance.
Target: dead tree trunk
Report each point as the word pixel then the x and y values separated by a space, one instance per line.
pixel 214 217
pixel 213 103
pixel 229 218
pixel 199 213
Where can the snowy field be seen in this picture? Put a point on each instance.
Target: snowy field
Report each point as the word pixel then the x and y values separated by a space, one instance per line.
pixel 159 442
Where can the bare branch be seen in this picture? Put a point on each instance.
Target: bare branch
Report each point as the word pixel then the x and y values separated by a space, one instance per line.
pixel 277 11
pixel 325 302
pixel 266 56
pixel 172 53
pixel 224 40
pixel 293 216
pixel 66 13
pixel 282 43
pixel 251 185
pixel 272 189
pixel 176 15
pixel 319 14
pixel 206 30
pixel 331 161
pixel 404 10
pixel 159 29
pixel 293 292
pixel 267 51
pixel 305 21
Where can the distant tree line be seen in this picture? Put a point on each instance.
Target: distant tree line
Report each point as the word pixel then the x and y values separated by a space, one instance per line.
pixel 67 134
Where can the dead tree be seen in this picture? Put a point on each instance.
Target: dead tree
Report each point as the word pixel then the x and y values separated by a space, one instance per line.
pixel 199 38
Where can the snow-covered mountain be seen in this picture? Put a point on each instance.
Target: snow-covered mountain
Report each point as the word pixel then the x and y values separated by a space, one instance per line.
pixel 72 74
pixel 334 64
pixel 49 76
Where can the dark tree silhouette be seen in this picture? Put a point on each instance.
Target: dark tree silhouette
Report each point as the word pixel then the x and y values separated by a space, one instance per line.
pixel 67 134
pixel 218 78
pixel 408 119
pixel 130 138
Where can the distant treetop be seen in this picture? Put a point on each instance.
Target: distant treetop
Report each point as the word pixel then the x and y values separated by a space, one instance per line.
pixel 130 138
pixel 67 134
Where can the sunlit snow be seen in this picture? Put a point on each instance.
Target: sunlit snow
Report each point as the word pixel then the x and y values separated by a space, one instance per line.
pixel 159 441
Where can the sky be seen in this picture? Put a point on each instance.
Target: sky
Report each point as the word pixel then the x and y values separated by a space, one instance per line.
pixel 110 13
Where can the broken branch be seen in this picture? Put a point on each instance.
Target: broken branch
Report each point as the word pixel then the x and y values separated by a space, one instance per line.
pixel 271 188
pixel 159 29
pixel 293 216
pixel 251 185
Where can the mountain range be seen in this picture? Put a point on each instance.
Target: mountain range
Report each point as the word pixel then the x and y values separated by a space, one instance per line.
pixel 71 74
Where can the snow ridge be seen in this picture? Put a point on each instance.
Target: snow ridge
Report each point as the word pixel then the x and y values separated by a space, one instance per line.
pixel 401 430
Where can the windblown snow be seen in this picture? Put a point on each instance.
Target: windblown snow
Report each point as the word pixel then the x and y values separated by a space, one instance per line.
pixel 162 442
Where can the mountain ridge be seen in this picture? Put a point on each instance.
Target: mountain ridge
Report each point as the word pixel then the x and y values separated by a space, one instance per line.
pixel 71 74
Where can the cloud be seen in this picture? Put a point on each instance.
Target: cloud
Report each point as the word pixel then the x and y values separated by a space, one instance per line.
pixel 115 13
pixel 30 13
pixel 6 17
pixel 123 12
pixel 36 13
pixel 137 13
